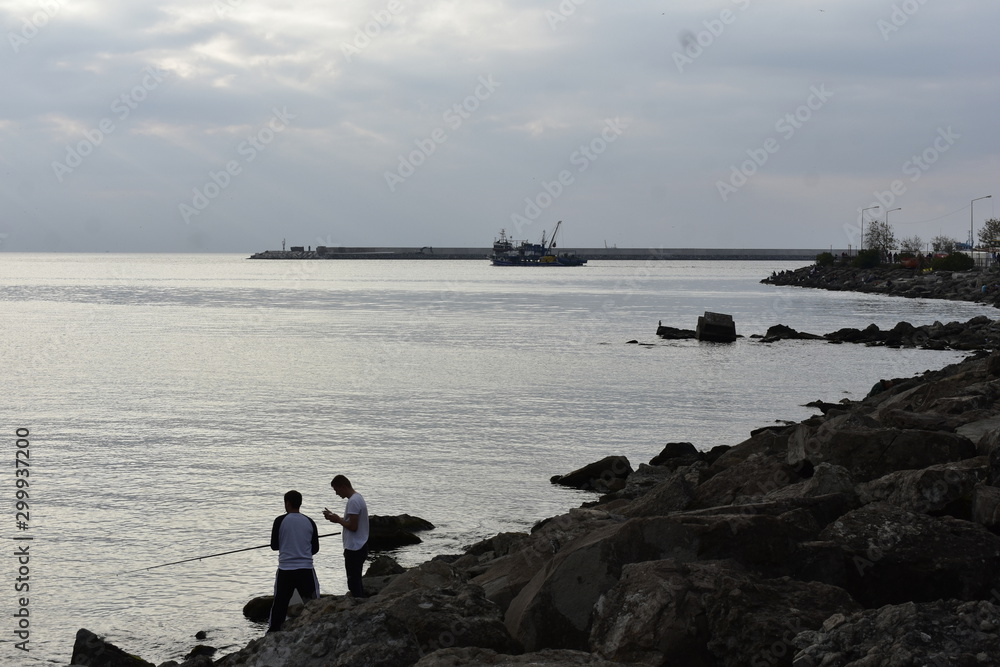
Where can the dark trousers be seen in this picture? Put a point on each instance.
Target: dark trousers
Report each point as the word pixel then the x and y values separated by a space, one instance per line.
pixel 285 583
pixel 354 561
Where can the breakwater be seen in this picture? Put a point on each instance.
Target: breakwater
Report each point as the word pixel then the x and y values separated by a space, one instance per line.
pixel 428 252
pixel 980 285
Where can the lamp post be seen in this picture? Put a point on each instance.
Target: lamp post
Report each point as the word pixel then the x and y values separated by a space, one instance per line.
pixel 971 206
pixel 863 224
pixel 898 208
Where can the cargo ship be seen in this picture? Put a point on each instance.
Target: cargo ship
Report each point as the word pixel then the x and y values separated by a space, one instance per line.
pixel 508 252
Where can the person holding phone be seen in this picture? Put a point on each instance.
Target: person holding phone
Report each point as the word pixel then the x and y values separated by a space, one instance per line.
pixel 355 523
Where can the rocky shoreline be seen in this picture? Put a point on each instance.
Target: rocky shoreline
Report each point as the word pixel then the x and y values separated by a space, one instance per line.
pixel 865 535
pixel 975 285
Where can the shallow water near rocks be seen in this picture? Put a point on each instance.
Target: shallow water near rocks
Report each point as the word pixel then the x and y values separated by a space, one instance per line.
pixel 172 399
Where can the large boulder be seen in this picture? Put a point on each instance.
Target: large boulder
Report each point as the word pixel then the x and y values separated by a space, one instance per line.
pixel 673 494
pixel 945 488
pixel 554 609
pixel 390 630
pixel 891 555
pixel 748 480
pixel 943 632
pixel 708 614
pixel 511 563
pixel 392 532
pixel 481 657
pixel 89 649
pixel 869 453
pixel 607 475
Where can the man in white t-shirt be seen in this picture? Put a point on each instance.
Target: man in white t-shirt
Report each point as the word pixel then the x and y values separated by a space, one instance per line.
pixel 295 537
pixel 355 523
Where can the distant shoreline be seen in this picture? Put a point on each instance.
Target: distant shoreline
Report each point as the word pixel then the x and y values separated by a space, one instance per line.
pixel 427 252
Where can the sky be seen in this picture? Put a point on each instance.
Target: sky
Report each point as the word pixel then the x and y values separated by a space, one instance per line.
pixel 232 125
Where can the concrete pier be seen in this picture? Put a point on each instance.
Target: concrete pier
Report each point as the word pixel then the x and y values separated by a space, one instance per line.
pixel 428 252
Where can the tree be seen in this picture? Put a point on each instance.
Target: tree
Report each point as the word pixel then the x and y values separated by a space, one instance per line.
pixel 880 237
pixel 943 244
pixel 911 244
pixel 989 235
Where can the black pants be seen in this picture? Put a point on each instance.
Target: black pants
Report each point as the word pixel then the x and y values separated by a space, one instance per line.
pixel 354 561
pixel 285 583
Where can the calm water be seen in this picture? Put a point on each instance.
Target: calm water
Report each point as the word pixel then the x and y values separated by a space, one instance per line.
pixel 173 399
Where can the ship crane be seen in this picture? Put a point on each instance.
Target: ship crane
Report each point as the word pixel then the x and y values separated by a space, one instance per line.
pixel 552 241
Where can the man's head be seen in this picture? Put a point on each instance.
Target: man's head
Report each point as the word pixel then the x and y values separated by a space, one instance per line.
pixel 342 486
pixel 293 501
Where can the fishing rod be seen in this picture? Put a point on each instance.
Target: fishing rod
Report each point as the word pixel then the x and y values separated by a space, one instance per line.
pixel 224 553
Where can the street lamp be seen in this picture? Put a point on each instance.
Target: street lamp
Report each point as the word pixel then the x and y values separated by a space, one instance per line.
pixel 971 206
pixel 898 208
pixel 863 224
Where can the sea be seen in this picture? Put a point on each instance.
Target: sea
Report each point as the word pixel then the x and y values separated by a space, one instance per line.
pixel 156 407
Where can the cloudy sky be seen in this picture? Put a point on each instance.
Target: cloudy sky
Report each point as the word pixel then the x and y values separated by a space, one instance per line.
pixel 228 125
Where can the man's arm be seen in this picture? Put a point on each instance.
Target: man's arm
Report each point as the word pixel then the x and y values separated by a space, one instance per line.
pixel 350 522
pixel 315 537
pixel 274 532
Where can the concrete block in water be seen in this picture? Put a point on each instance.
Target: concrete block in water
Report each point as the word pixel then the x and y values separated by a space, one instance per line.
pixel 716 328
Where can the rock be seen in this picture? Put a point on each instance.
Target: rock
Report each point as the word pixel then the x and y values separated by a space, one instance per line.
pixel 607 475
pixel 939 489
pixel 507 575
pixel 334 638
pixel 671 333
pixel 478 657
pixel 676 450
pixel 716 328
pixel 201 650
pixel 869 453
pixel 944 632
pixel 985 433
pixel 750 479
pixel 383 565
pixel 201 635
pixel 710 613
pixel 392 532
pixel 986 506
pixel 553 610
pixel 429 575
pixel 673 494
pixel 924 421
pixel 826 479
pixel 89 649
pixel 781 332
pixel 892 555
pixel 258 609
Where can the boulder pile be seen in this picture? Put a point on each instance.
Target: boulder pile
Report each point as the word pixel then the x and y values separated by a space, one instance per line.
pixel 868 535
pixel 974 285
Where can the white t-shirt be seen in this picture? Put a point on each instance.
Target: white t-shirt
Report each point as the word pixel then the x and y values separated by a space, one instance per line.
pixel 355 539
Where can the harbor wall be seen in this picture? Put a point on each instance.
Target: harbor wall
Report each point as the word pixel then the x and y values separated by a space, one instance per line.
pixel 428 252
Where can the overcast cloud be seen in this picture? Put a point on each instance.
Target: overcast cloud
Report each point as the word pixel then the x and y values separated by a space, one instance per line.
pixel 228 125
